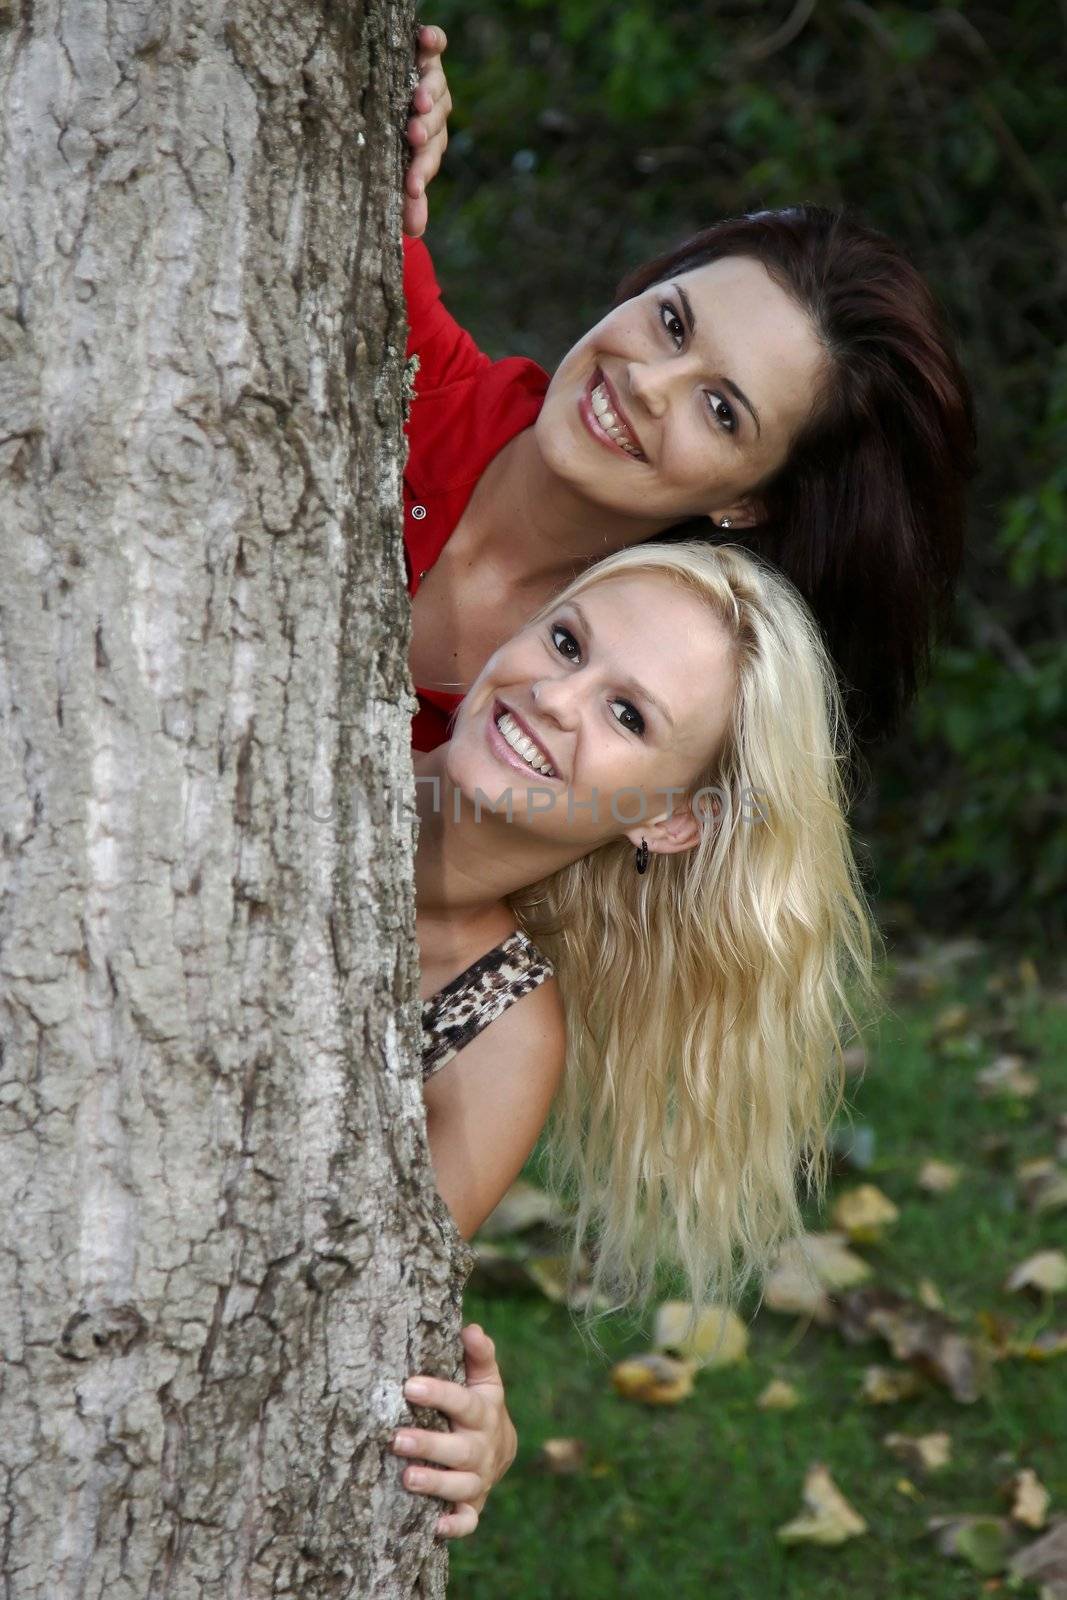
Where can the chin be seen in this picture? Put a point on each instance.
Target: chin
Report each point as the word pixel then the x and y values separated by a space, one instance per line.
pixel 560 444
pixel 467 769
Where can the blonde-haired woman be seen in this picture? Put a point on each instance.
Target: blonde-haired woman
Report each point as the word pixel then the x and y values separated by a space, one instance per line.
pixel 637 899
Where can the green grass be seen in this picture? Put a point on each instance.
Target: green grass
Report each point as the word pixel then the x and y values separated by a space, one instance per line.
pixel 682 1501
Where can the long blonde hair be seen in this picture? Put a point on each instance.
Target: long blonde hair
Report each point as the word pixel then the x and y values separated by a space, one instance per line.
pixel 708 1000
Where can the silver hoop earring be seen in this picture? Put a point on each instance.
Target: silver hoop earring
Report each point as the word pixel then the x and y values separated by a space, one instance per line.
pixel 726 523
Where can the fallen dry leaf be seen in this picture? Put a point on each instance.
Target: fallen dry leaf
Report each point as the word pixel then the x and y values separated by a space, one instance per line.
pixel 562 1457
pixel 829 1519
pixel 983 1542
pixel 1034 1174
pixel 998 1332
pixel 1043 1346
pixel 653 1379
pixel 929 1295
pixel 928 1340
pixel 778 1396
pixel 1045 1272
pixel 913 980
pixel 716 1337
pixel 499 1270
pixel 523 1206
pixel 927 1451
pixel 496 1269
pixel 952 1019
pixel 1028 973
pixel 938 1177
pixel 864 1213
pixel 551 1274
pixel 806 1269
pixel 1044 1561
pixel 1007 1076
pixel 947 954
pixel 1043 1185
pixel 1030 1499
pixel 859 1310
pixel 886 1386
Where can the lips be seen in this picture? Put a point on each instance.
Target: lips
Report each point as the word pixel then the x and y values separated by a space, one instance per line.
pixel 616 406
pixel 499 710
pixel 605 418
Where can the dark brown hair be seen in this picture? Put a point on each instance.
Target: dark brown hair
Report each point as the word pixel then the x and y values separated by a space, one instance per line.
pixel 866 515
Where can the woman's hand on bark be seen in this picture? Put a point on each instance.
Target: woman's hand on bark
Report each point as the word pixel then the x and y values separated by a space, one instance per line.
pixel 427 129
pixel 461 1466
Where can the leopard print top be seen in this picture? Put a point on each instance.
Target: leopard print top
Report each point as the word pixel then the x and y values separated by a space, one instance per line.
pixel 458 1013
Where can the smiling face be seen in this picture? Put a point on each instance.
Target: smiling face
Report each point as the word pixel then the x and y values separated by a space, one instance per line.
pixel 629 687
pixel 683 399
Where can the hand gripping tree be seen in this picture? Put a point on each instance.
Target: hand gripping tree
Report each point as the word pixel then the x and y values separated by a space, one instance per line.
pixel 222 1251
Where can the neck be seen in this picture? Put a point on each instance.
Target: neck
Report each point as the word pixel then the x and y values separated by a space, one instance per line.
pixel 469 859
pixel 562 530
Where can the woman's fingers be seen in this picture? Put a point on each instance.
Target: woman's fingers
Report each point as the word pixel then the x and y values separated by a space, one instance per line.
pixel 430 93
pixel 462 1464
pixel 429 126
pixel 416 216
pixel 444 1449
pixel 479 1355
pixel 457 1524
pixel 427 129
pixel 444 1485
pixel 425 162
pixel 454 1399
pixel 433 42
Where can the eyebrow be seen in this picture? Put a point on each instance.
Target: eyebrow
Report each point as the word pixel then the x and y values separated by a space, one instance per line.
pixel 629 684
pixel 738 394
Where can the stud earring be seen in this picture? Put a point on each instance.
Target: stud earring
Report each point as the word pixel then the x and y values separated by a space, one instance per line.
pixel 727 522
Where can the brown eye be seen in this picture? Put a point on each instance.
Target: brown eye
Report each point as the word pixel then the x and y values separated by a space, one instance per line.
pixel 555 632
pixel 673 323
pixel 723 413
pixel 637 722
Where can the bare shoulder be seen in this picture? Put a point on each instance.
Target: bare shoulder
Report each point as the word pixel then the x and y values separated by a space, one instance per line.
pixel 522 1051
pixel 485 1109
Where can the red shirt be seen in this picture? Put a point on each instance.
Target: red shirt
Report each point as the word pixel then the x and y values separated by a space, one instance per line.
pixel 466 408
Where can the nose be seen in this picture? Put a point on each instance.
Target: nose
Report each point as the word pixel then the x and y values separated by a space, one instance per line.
pixel 650 383
pixel 556 699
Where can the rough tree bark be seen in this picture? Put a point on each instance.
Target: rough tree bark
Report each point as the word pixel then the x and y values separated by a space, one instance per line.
pixel 222 1250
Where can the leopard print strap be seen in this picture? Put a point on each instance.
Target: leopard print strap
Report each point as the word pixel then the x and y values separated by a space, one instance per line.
pixel 458 1013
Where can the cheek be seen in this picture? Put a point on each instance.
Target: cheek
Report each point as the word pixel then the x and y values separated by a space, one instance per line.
pixel 514 671
pixel 689 459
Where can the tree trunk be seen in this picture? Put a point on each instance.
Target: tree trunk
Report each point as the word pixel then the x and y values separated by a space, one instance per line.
pixel 223 1250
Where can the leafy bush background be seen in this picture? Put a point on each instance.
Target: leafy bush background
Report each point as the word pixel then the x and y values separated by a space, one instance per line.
pixel 588 134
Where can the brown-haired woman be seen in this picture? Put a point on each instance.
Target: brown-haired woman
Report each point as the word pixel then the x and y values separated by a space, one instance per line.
pixel 785 376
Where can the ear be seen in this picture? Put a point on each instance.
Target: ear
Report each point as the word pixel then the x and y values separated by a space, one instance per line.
pixel 668 834
pixel 744 514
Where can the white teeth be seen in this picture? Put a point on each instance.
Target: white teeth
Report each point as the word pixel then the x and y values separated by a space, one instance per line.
pixel 523 746
pixel 610 422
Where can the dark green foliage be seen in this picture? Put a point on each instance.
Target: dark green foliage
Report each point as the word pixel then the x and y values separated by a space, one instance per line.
pixel 589 134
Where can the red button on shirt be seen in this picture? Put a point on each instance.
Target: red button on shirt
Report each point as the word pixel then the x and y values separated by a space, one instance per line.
pixel 466 408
